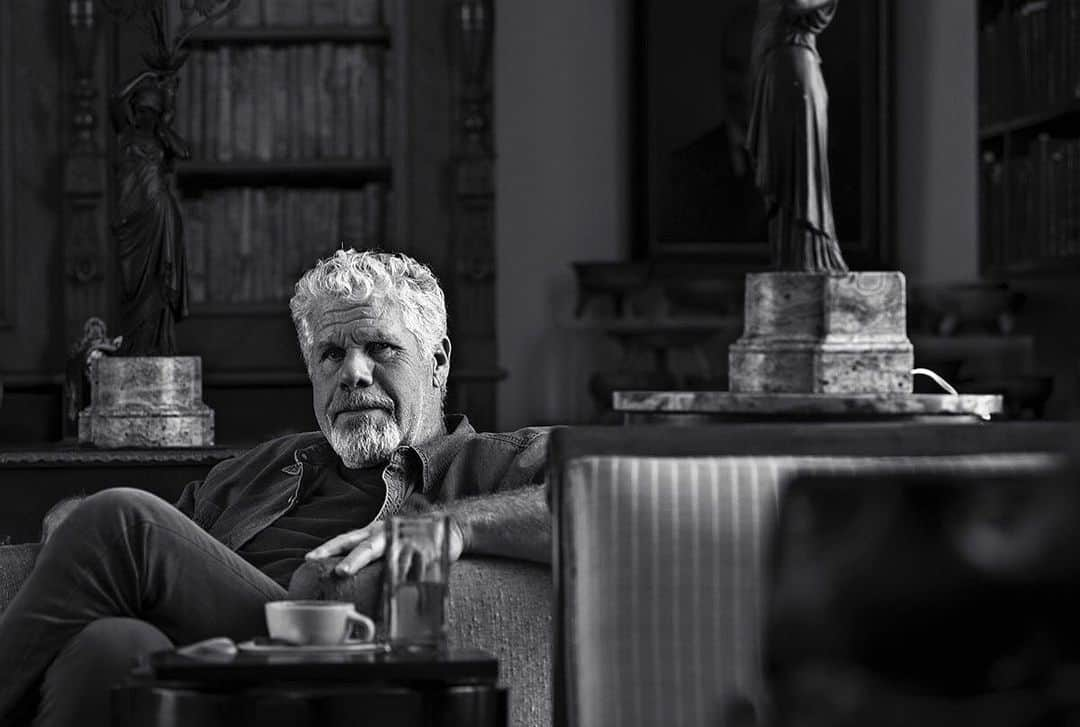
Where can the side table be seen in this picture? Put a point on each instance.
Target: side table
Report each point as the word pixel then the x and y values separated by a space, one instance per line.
pixel 451 688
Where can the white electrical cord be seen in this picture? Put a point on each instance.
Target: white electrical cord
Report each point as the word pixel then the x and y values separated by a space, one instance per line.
pixel 937 379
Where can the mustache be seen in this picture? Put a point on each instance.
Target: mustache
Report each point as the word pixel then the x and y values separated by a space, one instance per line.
pixel 359 401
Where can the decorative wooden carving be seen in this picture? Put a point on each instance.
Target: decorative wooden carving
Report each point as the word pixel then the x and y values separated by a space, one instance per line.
pixel 7 168
pixel 474 203
pixel 474 189
pixel 84 177
pixel 788 136
pixel 148 229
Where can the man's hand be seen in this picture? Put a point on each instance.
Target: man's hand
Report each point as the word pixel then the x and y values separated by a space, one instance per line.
pixel 368 544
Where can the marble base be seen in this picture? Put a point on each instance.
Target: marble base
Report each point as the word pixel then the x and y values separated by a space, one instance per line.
pixel 147 401
pixel 850 406
pixel 823 334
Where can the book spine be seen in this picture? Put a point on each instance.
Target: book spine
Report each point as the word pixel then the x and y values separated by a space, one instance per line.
pixel 221 244
pixel 1074 49
pixel 195 242
pixel 333 220
pixel 356 101
pixel 243 99
pixel 1023 38
pixel 388 94
pixel 242 261
pixel 259 259
pixel 1041 217
pixel 1072 189
pixel 374 97
pixel 225 105
pixel 211 103
pixel 294 13
pixel 309 99
pixel 196 94
pixel 373 214
pixel 353 230
pixel 341 102
pixel 280 122
pixel 248 14
pixel 296 261
pixel 327 12
pixel 296 105
pixel 312 225
pixel 326 101
pixel 265 88
pixel 389 220
pixel 362 12
pixel 271 247
pixel 984 76
pixel 271 16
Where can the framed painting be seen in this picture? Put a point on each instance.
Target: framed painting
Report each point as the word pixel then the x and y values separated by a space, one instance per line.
pixel 694 195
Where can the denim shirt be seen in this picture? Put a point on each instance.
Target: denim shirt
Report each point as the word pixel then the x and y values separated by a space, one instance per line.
pixel 243 495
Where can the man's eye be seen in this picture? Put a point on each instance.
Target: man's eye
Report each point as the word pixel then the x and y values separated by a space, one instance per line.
pixel 378 348
pixel 332 354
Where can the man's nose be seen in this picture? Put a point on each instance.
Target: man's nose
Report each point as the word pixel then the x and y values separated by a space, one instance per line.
pixel 356 369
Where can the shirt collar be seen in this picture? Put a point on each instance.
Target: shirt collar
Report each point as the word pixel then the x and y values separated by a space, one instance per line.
pixel 435 455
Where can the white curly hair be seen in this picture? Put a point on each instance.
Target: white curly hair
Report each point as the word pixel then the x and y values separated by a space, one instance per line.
pixel 356 276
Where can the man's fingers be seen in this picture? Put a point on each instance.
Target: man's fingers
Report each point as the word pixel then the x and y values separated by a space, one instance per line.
pixel 340 544
pixel 371 549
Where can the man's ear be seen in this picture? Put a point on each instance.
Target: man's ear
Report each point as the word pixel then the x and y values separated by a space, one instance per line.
pixel 440 368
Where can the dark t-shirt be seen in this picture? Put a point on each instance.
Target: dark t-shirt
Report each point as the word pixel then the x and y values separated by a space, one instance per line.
pixel 335 501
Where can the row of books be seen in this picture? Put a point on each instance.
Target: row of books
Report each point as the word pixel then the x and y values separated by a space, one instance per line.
pixel 297 13
pixel 309 101
pixel 250 245
pixel 1030 204
pixel 1029 59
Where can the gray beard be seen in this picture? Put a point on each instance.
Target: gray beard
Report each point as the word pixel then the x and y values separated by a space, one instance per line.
pixel 366 442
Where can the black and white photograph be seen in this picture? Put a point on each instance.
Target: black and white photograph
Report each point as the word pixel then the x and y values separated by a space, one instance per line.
pixel 574 363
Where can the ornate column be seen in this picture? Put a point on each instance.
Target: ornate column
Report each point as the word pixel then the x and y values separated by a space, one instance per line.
pixel 474 202
pixel 85 218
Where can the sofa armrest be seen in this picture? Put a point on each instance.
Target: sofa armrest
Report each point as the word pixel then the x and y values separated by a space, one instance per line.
pixel 15 564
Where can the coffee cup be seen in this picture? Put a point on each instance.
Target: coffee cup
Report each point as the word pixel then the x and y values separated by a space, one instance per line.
pixel 317 623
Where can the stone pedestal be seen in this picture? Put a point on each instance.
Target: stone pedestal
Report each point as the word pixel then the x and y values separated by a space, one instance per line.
pixel 147 401
pixel 808 333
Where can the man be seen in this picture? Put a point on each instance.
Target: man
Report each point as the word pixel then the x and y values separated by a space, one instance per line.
pixel 126 573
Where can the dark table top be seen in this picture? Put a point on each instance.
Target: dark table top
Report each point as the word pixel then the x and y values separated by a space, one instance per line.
pixel 449 666
pixel 72 454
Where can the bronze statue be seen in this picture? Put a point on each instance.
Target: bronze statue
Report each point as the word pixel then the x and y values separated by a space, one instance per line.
pixel 788 136
pixel 149 230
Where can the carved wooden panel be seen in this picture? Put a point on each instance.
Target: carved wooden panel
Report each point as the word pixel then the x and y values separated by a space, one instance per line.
pixel 7 170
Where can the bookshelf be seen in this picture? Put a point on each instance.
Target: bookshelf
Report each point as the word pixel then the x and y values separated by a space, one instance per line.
pixel 315 124
pixel 1029 137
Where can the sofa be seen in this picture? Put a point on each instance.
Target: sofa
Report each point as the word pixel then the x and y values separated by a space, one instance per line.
pixel 501 606
pixel 661 544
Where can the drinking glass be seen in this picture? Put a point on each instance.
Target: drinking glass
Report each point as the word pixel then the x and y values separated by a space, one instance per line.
pixel 417 581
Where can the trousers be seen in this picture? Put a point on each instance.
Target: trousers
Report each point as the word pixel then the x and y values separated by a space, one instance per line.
pixel 124 574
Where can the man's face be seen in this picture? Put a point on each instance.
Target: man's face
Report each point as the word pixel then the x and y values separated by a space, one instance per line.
pixel 374 388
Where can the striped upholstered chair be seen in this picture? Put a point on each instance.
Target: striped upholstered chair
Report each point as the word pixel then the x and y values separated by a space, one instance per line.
pixel 660 538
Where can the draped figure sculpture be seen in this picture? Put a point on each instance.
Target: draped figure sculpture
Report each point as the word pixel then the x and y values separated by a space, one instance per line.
pixel 788 135
pixel 149 230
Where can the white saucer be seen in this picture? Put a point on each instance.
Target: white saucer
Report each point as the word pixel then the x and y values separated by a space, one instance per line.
pixel 263 646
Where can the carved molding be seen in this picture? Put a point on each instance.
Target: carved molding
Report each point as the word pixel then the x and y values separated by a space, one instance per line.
pixel 7 168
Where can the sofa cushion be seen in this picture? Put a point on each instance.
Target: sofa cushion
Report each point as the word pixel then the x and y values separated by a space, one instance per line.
pixel 663 565
pixel 15 564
